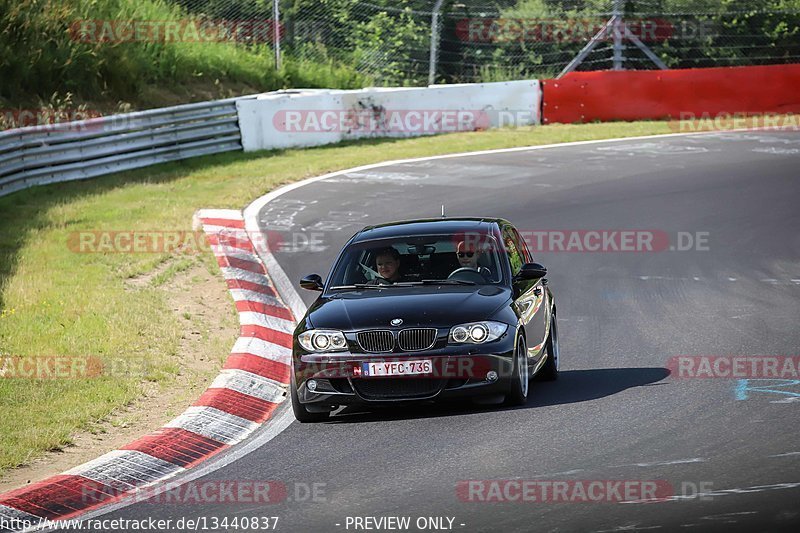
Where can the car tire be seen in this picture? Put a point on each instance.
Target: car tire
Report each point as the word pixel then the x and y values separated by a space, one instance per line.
pixel 518 392
pixel 300 412
pixel 549 371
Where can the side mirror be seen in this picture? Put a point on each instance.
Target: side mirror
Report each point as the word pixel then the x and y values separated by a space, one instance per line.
pixel 532 271
pixel 312 282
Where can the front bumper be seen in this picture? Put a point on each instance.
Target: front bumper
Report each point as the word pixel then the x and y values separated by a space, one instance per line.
pixel 457 372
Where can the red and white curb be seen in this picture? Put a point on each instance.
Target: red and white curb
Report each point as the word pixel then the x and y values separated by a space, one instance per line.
pixel 253 382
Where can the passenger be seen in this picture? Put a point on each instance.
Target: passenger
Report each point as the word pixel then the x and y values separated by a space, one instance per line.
pixel 468 255
pixel 387 261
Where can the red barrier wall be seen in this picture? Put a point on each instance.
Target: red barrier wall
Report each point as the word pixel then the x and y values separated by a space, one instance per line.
pixel 660 94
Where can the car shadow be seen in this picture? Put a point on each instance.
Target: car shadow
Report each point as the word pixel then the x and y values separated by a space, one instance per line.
pixel 573 386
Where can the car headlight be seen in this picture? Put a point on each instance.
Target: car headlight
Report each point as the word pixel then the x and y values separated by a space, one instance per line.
pixel 322 340
pixel 477 332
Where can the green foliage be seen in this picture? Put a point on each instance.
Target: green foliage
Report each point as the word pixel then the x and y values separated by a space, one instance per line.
pixel 377 41
pixel 308 73
pixel 387 40
pixel 42 52
pixel 352 43
pixel 696 33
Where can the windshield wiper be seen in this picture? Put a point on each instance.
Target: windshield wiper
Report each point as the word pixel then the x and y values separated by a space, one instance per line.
pixel 378 286
pixel 359 286
pixel 447 282
pixel 405 284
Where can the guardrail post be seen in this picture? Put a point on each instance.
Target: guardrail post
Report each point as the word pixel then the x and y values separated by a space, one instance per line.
pixel 434 41
pixel 617 34
pixel 276 32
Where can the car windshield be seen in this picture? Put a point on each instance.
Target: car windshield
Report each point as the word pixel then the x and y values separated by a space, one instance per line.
pixel 419 260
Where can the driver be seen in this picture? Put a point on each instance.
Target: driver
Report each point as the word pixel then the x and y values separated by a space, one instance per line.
pixel 468 255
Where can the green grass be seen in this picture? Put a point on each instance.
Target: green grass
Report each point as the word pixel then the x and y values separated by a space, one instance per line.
pixel 41 56
pixel 54 301
pixel 173 269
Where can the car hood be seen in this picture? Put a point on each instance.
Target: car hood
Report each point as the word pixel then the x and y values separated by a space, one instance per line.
pixel 433 306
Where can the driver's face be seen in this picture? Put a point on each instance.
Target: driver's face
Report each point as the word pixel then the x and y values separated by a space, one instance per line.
pixel 387 266
pixel 467 256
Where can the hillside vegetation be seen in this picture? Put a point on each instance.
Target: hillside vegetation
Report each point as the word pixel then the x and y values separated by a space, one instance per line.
pixel 354 43
pixel 41 55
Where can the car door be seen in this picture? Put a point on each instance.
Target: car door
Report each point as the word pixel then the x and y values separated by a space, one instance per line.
pixel 530 296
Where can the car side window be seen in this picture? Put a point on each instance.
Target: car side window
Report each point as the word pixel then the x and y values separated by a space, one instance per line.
pixel 512 248
pixel 527 256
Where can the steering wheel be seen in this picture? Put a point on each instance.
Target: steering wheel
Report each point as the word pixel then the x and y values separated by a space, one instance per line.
pixel 467 274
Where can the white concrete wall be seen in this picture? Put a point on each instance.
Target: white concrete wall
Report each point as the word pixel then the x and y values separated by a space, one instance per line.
pixel 312 117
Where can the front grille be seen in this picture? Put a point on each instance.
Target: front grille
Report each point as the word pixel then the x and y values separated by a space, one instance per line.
pixel 415 339
pixel 378 340
pixel 395 389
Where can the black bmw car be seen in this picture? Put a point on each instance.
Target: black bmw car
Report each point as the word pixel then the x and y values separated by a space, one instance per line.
pixel 425 310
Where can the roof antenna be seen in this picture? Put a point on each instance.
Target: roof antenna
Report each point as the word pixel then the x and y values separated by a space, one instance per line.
pixel 443 215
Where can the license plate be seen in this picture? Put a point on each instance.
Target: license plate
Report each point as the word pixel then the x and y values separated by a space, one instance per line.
pixel 397 368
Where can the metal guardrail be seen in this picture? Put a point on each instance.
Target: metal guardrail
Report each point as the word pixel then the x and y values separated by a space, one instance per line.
pixel 39 155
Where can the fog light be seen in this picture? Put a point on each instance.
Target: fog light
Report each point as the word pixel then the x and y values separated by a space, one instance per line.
pixel 491 376
pixel 312 384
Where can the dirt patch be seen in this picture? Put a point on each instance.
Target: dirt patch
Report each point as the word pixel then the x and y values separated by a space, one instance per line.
pixel 200 300
pixel 146 279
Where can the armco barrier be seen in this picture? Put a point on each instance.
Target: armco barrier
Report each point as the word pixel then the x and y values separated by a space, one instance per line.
pixel 329 116
pixel 660 94
pixel 39 155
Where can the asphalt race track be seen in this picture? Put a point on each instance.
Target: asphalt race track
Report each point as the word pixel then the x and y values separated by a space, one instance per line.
pixel 729 450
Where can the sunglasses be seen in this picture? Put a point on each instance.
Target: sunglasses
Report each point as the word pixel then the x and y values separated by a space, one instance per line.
pixel 465 254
